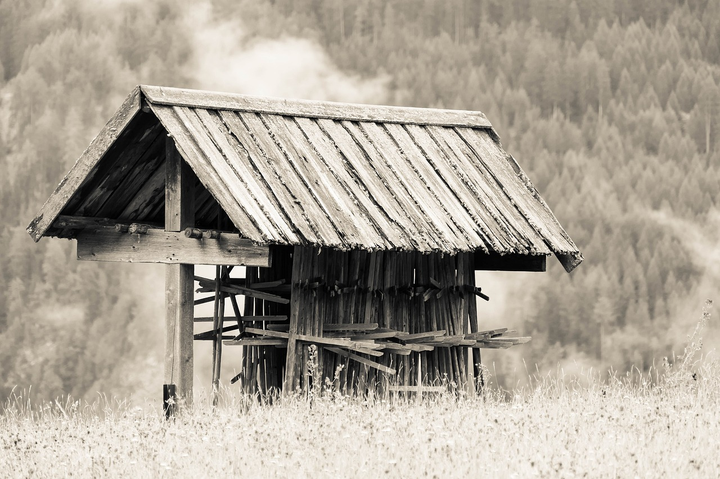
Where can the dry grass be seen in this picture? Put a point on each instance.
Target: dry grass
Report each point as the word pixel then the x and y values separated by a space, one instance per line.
pixel 666 425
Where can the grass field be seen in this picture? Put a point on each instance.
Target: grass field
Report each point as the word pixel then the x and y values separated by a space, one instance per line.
pixel 662 424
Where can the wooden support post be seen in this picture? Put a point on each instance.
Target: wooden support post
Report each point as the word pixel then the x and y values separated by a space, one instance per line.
pixel 291 370
pixel 179 214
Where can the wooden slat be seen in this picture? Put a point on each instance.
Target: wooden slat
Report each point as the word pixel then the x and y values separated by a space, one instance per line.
pixel 245 319
pixel 82 222
pixel 525 197
pixel 314 210
pixel 257 342
pixel 276 185
pixel 350 327
pixel 318 180
pixel 420 336
pixel 313 109
pixel 219 155
pixel 446 200
pixel 268 333
pixel 340 149
pixel 439 231
pixel 147 164
pixel 147 132
pixel 482 220
pixel 238 159
pixel 157 246
pixel 251 292
pixel 84 165
pixel 365 361
pixel 490 194
pixel 148 198
pixel 175 121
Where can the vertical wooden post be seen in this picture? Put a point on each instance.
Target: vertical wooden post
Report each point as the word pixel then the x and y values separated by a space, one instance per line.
pixel 179 214
pixel 291 370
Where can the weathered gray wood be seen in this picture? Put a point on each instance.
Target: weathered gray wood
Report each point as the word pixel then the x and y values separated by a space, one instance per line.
pixel 350 327
pixel 257 342
pixel 82 222
pixel 245 319
pixel 179 214
pixel 315 212
pixel 473 171
pixel 362 360
pixel 157 246
pixel 313 109
pixel 174 120
pixel 84 165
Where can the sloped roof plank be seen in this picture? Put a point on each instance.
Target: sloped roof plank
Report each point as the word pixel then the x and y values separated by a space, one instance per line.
pixel 239 168
pixel 494 197
pixel 83 167
pixel 355 228
pixel 402 210
pixel 313 209
pixel 211 141
pixel 363 193
pixel 483 221
pixel 389 151
pixel 277 189
pixel 538 217
pixel 196 157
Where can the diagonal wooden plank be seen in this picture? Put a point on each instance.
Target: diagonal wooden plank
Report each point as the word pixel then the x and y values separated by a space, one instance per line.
pixel 299 186
pixel 238 160
pixel 393 157
pixel 353 226
pixel 196 157
pixel 84 165
pixel 480 180
pixel 275 182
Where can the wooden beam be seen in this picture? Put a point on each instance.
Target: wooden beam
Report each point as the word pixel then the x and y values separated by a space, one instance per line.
pixel 179 214
pixel 84 166
pixel 509 262
pixel 170 247
pixel 362 360
pixel 313 109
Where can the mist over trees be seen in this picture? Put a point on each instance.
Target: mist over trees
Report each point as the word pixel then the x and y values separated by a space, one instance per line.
pixel 612 109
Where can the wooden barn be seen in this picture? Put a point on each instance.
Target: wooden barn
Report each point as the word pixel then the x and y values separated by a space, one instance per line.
pixel 360 229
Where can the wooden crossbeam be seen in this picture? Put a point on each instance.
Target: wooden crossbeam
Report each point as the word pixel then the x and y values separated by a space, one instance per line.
pixel 245 319
pixel 170 247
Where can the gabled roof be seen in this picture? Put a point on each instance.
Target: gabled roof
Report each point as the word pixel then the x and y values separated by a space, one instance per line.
pixel 328 174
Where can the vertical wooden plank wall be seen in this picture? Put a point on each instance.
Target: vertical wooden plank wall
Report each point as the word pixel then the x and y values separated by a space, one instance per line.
pixel 179 214
pixel 330 287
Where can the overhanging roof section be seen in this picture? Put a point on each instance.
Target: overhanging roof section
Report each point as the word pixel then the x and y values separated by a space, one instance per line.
pixel 341 176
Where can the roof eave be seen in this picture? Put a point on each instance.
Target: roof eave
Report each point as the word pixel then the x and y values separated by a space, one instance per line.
pixel 84 165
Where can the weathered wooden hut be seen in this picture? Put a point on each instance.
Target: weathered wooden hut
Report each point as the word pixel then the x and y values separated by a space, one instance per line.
pixel 360 228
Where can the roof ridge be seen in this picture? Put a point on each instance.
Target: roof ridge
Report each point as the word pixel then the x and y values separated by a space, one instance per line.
pixel 170 96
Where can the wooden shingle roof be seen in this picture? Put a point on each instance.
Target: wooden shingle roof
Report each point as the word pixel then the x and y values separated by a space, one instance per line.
pixel 316 173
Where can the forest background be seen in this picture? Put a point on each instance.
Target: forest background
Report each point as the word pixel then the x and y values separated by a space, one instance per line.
pixel 612 109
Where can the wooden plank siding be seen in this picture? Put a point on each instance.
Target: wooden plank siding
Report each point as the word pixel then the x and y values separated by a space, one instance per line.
pixel 298 173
